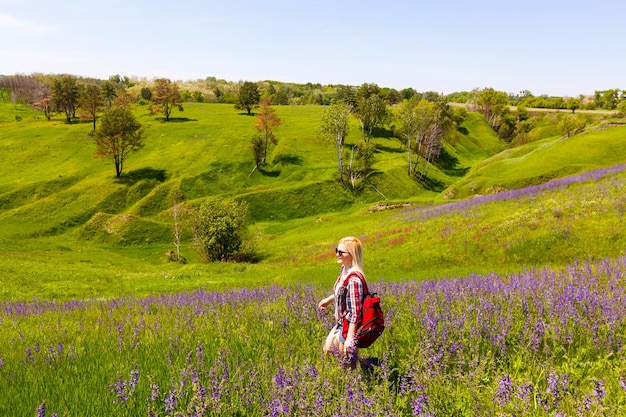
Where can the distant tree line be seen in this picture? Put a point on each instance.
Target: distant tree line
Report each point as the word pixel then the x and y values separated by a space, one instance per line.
pixel 61 93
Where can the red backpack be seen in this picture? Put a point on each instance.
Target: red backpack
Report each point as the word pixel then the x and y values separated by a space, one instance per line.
pixel 372 322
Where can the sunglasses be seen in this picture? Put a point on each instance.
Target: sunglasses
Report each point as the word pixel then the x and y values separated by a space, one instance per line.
pixel 341 252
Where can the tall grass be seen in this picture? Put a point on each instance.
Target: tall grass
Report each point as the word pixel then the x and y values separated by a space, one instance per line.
pixel 542 342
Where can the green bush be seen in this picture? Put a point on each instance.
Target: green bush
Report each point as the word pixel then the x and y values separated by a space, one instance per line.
pixel 219 227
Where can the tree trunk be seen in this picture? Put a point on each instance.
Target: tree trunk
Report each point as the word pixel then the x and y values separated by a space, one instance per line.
pixel 338 141
pixel 265 148
pixel 408 150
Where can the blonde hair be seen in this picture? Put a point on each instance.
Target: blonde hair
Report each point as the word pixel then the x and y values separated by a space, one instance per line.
pixel 355 248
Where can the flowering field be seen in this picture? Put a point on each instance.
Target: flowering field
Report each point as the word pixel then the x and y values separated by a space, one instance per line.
pixel 543 342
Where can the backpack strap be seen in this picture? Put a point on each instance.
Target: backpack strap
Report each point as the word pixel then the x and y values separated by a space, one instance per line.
pixel 361 278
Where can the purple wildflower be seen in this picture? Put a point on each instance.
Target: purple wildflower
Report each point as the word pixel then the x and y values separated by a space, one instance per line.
pixel 134 378
pixel 119 388
pixel 124 389
pixel 503 395
pixel 200 354
pixel 349 394
pixel 525 392
pixel 599 390
pixel 170 402
pixel 29 355
pixel 553 384
pixel 154 392
pixel 419 404
pixel 41 410
pixel 537 334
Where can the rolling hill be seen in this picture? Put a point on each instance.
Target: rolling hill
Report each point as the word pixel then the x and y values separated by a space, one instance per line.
pixel 64 217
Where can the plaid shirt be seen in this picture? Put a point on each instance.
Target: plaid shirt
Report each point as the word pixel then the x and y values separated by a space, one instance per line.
pixel 349 298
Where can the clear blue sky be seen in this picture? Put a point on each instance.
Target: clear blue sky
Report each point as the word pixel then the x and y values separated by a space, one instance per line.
pixel 553 47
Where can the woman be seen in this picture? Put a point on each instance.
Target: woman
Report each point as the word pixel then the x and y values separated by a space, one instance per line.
pixel 348 295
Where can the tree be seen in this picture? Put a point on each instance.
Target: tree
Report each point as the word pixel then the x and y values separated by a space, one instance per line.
pixel 282 95
pixel 407 93
pixel 43 99
pixel 124 100
pixel 119 136
pixel 219 227
pixel 335 126
pixel 249 97
pixel 267 122
pixel 440 123
pixel 423 124
pixel 90 103
pixel 109 93
pixel 621 108
pixel 165 97
pixel 425 118
pixel 179 211
pixel 45 105
pixel 607 99
pixel 391 96
pixel 65 94
pixel 573 104
pixel 371 109
pixel 572 124
pixel 256 146
pixel 346 94
pixel 361 159
pixel 408 125
pixel 492 104
pixel 146 93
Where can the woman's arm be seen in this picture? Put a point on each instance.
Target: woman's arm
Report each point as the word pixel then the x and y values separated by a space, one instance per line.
pixel 323 303
pixel 354 301
pixel 349 346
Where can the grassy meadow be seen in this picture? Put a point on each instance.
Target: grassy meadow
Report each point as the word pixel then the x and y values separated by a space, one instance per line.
pixel 497 303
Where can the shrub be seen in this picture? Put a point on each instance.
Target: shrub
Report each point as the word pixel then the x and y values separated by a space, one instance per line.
pixel 219 228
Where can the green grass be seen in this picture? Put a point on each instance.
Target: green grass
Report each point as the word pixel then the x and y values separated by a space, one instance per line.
pixel 70 229
pixel 545 160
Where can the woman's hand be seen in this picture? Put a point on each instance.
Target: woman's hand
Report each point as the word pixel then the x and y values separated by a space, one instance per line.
pixel 322 304
pixel 350 346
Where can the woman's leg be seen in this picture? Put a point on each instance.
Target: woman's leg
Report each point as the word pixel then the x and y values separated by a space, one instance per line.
pixel 332 345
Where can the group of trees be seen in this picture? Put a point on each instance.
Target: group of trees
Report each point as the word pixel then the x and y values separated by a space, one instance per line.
pixel 119 134
pixel 63 93
pixel 514 124
pixel 612 99
pixel 367 104
pixel 422 123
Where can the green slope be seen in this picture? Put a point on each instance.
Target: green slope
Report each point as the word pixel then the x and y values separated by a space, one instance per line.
pixel 71 228
pixel 545 160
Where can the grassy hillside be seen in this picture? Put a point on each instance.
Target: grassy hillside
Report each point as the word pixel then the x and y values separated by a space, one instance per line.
pixel 69 228
pixel 544 160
